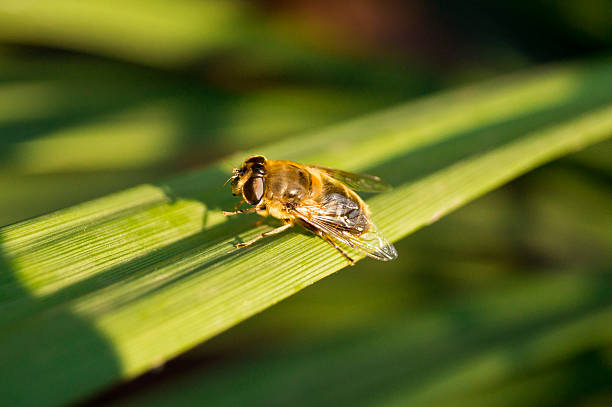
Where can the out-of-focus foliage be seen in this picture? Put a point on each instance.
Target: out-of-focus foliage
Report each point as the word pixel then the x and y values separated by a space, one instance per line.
pixel 498 304
pixel 143 275
pixel 506 303
pixel 199 79
pixel 104 125
pixel 223 78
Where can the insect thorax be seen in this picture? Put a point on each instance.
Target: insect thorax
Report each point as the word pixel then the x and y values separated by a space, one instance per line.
pixel 288 183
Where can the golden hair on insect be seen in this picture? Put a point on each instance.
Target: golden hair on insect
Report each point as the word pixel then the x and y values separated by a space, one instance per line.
pixel 322 200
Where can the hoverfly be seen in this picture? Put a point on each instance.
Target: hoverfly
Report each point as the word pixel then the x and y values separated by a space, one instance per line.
pixel 320 199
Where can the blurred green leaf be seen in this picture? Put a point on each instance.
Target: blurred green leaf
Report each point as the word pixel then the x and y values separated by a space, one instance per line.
pixel 113 287
pixel 485 350
pixel 61 115
pixel 157 32
pixel 184 33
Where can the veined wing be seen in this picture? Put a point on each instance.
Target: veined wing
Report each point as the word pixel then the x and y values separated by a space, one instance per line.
pixel 343 220
pixel 357 182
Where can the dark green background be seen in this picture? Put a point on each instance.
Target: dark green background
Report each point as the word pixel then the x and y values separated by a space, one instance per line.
pixel 464 313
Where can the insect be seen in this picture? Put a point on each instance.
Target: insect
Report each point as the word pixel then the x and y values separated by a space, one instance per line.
pixel 320 199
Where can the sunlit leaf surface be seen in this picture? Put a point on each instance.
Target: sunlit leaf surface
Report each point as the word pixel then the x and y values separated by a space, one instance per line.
pixel 113 287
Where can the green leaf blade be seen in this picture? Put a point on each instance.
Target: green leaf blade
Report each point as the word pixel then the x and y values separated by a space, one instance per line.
pixel 138 277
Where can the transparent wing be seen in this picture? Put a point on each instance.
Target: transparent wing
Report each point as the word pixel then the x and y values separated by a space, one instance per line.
pixel 338 219
pixel 357 182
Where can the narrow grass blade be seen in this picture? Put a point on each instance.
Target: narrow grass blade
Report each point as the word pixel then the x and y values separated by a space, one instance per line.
pixel 111 288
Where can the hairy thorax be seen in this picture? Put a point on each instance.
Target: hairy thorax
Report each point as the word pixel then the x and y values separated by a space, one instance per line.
pixel 288 185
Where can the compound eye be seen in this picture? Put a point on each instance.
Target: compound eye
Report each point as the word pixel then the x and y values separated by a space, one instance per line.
pixel 253 190
pixel 256 159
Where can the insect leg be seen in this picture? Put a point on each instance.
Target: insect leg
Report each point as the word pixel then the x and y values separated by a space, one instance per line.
pixel 264 234
pixel 335 246
pixel 238 204
pixel 237 211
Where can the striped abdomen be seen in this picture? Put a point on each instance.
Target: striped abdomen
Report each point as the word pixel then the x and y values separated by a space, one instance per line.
pixel 349 212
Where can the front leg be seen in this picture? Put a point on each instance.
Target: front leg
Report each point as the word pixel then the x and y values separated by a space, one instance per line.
pixel 264 234
pixel 237 211
pixel 239 203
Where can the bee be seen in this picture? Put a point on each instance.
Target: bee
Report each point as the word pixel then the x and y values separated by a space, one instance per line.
pixel 319 199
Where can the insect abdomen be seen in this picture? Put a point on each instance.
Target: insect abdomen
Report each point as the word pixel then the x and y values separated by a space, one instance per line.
pixel 349 210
